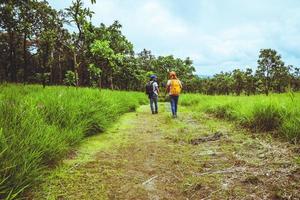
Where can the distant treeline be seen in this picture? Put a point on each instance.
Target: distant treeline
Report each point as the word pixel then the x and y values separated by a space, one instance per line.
pixel 271 75
pixel 35 47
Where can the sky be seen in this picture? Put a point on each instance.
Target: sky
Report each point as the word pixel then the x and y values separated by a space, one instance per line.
pixel 218 35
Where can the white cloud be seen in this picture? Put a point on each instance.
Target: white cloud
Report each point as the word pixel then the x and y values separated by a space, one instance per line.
pixel 157 20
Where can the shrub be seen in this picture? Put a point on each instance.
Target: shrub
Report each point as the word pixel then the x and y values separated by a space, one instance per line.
pixel 279 113
pixel 222 111
pixel 266 117
pixel 290 129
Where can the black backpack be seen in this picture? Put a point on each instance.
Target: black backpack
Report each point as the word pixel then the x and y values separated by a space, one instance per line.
pixel 149 88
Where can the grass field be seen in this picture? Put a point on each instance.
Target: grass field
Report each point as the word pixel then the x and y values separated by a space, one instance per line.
pixel 39 126
pixel 145 156
pixel 277 113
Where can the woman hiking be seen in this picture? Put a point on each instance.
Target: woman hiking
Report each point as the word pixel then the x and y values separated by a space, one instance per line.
pixel 174 87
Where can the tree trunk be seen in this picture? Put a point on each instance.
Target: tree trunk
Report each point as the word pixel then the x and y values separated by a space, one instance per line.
pixel 12 55
pixel 60 69
pixel 75 68
pixel 99 82
pixel 45 65
pixel 267 81
pixel 43 73
pixel 51 68
pixel 267 87
pixel 4 76
pixel 111 82
pixel 25 58
pixel 81 73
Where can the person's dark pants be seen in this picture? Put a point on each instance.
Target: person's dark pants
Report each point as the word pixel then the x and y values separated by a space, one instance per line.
pixel 174 102
pixel 153 103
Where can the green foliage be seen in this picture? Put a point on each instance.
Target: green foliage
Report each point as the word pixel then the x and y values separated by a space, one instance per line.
pixel 271 76
pixel 42 77
pixel 38 126
pixel 70 78
pixel 238 84
pixel 95 74
pixel 271 70
pixel 278 113
pixel 222 111
pixel 102 48
pixel 266 117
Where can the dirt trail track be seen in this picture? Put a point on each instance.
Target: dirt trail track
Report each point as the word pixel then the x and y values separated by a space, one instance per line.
pixel 153 157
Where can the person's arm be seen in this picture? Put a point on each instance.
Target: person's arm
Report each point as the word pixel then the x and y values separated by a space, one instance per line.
pixel 156 87
pixel 180 84
pixel 168 86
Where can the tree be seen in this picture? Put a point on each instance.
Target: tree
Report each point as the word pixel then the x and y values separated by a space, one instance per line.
pixel 250 87
pixel 4 49
pixel 9 21
pixel 238 81
pixel 281 78
pixel 70 78
pixel 222 83
pixel 122 48
pixel 295 78
pixel 78 15
pixel 45 51
pixel 103 49
pixel 28 17
pixel 269 65
pixel 62 53
pixel 47 29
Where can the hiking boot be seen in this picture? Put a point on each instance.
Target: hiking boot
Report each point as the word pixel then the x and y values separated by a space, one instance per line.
pixel 156 112
pixel 153 112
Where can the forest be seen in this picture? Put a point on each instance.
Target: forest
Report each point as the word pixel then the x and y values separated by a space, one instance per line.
pixel 37 47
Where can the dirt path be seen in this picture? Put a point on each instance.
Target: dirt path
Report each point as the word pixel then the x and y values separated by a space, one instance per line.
pixel 151 157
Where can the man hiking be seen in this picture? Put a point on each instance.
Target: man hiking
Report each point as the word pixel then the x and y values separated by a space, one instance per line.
pixel 174 88
pixel 152 91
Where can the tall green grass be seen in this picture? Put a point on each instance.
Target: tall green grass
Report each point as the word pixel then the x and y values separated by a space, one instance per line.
pixel 278 113
pixel 38 126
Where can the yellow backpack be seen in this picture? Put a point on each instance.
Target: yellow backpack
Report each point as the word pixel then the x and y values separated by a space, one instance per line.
pixel 175 87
